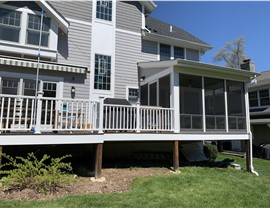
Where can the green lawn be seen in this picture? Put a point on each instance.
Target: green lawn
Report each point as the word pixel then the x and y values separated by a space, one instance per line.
pixel 193 187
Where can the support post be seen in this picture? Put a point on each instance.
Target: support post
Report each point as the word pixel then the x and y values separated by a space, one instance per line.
pixel 98 160
pixel 248 154
pixel 175 100
pixel 175 156
pixel 101 109
pixel 203 106
pixel 38 112
pixel 138 118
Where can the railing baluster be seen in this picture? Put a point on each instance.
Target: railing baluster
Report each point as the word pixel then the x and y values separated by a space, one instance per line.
pixel 26 113
pixel 46 112
pixel 2 111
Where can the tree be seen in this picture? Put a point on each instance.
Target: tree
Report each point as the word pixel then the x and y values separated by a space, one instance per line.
pixel 233 53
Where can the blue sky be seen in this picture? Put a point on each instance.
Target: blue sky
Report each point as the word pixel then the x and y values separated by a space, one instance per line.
pixel 219 22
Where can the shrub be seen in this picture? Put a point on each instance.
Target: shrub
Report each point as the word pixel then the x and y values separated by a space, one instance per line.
pixel 210 152
pixel 42 175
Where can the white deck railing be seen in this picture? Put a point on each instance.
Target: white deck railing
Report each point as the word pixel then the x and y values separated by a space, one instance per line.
pixel 43 114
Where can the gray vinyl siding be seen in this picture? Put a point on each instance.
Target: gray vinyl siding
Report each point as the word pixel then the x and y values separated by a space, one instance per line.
pixel 129 16
pixel 79 10
pixel 149 51
pixel 127 55
pixel 192 55
pixel 75 47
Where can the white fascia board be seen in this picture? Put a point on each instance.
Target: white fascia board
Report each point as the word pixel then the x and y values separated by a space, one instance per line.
pixel 149 5
pixel 177 42
pixel 198 68
pixel 63 23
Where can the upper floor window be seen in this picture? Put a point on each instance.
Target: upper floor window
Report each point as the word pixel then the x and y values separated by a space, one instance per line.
pixel 264 97
pixel 164 52
pixel 33 30
pixel 10 25
pixel 179 52
pixel 104 10
pixel 253 99
pixel 102 72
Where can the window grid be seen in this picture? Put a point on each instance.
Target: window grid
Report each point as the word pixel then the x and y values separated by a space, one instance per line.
pixel 10 83
pixel 133 92
pixel 253 99
pixel 102 72
pixel 33 30
pixel 179 52
pixel 104 10
pixel 264 97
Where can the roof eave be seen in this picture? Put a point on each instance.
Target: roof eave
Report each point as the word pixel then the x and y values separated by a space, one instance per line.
pixel 203 47
pixel 149 6
pixel 63 23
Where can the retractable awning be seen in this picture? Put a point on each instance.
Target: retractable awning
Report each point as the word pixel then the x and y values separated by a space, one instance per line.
pixel 43 65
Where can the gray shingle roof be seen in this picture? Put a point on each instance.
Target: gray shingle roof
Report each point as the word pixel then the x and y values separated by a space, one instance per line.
pixel 263 79
pixel 162 28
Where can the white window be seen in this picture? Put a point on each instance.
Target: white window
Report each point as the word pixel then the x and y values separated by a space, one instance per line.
pixel 33 30
pixel 165 52
pixel 10 22
pixel 253 99
pixel 264 97
pixel 102 72
pixel 104 10
pixel 133 94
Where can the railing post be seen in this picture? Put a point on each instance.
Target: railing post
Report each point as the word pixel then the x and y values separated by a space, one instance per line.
pixel 101 114
pixel 38 112
pixel 138 118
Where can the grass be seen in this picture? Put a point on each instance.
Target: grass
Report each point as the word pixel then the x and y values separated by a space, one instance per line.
pixel 193 187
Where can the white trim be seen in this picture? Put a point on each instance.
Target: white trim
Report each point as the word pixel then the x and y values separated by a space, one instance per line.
pixel 130 87
pixel 175 99
pixel 128 32
pixel 226 106
pixel 79 21
pixel 158 51
pixel 246 100
pixel 143 17
pixel 203 106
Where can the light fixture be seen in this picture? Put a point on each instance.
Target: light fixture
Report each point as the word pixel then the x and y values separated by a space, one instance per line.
pixel 73 89
pixel 142 78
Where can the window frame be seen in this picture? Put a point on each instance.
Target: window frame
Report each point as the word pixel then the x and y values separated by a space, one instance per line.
pixel 164 54
pixel 253 99
pixel 104 77
pixel 105 14
pixel 264 97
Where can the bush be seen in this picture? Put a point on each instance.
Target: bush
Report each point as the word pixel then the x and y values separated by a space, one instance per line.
pixel 42 175
pixel 210 152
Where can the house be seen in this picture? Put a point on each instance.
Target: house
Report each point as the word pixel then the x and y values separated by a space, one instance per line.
pixel 114 50
pixel 259 108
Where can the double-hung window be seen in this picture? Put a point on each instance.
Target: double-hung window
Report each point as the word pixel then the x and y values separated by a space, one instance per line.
pixel 179 52
pixel 10 22
pixel 104 10
pixel 165 52
pixel 102 72
pixel 264 97
pixel 253 99
pixel 33 30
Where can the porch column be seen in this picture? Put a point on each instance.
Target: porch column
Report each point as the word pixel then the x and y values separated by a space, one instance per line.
pixel 226 106
pixel 98 160
pixel 248 155
pixel 175 155
pixel 175 99
pixel 203 106
pixel 247 108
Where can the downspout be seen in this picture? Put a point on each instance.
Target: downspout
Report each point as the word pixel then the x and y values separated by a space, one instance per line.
pixel 251 156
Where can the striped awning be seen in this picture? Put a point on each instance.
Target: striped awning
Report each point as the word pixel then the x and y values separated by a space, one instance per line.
pixel 42 65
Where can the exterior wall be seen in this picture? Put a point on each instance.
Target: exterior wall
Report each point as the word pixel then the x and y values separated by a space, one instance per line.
pixel 127 54
pixel 261 134
pixel 79 10
pixel 75 47
pixel 192 55
pixel 128 15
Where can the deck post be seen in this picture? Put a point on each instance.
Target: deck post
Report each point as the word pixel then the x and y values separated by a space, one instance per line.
pixel 98 160
pixel 38 112
pixel 175 99
pixel 138 118
pixel 175 156
pixel 101 114
pixel 248 164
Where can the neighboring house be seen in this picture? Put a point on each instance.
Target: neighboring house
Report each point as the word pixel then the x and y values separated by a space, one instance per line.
pixel 259 103
pixel 115 50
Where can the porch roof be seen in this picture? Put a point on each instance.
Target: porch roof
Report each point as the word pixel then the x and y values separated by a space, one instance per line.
pixel 28 63
pixel 198 68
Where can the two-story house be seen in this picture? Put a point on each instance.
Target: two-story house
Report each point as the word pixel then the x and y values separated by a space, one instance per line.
pixel 91 50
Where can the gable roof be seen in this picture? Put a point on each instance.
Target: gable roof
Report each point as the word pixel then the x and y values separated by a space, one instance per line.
pixel 261 81
pixel 158 27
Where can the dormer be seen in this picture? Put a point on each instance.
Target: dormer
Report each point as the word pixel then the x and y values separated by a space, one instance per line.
pixel 20 23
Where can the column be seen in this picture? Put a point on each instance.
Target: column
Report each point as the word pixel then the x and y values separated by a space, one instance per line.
pixel 175 155
pixel 98 160
pixel 175 100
